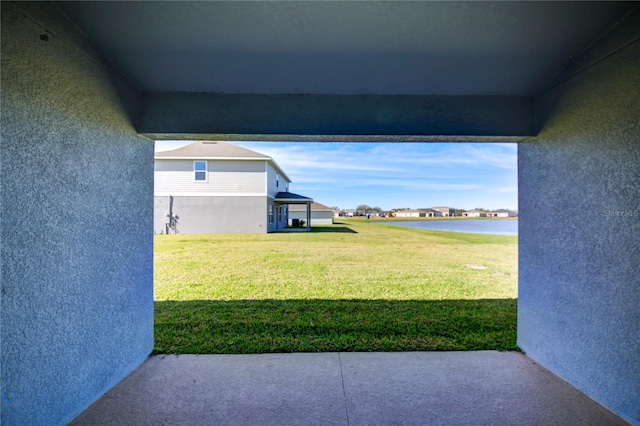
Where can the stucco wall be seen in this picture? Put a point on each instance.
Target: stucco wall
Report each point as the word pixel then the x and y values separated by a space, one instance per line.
pixel 216 116
pixel 213 215
pixel 280 216
pixel 77 247
pixel 579 200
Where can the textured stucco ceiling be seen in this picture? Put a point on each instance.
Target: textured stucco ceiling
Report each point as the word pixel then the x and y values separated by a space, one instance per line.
pixel 413 48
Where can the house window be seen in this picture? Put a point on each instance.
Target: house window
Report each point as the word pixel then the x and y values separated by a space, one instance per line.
pixel 270 213
pixel 200 171
pixel 277 180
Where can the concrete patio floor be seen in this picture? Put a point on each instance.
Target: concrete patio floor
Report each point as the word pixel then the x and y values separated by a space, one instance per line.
pixel 406 388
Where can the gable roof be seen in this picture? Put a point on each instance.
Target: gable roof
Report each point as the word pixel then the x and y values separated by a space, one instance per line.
pixel 212 150
pixel 216 150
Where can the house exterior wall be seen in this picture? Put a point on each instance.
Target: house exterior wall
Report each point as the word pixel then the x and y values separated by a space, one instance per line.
pixel 579 271
pixel 407 214
pixel 474 214
pixel 213 214
pixel 223 177
pixel 274 186
pixel 280 215
pixel 233 200
pixel 77 247
pixel 446 211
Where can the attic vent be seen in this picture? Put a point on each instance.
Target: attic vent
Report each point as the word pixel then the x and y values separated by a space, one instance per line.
pixel 210 143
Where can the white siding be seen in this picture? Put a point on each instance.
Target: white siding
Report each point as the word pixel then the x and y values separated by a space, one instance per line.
pixel 224 177
pixel 271 181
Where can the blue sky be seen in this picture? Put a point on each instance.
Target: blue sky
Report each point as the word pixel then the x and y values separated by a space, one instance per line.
pixel 396 175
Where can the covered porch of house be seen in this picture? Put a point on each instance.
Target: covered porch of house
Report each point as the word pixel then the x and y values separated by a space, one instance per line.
pixel 286 198
pixel 88 86
pixel 345 388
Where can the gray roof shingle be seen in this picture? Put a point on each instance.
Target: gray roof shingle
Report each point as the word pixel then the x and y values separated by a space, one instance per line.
pixel 214 150
pixel 292 198
pixel 211 149
pixel 314 207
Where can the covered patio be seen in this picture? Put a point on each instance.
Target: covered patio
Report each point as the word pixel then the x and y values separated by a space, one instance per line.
pixel 291 198
pixel 87 87
pixel 346 389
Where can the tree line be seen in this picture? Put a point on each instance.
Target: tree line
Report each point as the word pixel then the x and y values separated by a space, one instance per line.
pixel 364 209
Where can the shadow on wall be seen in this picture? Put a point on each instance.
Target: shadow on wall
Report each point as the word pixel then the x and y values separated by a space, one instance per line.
pixel 261 326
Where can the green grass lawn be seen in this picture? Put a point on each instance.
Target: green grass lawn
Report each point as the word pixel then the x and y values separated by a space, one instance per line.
pixel 354 286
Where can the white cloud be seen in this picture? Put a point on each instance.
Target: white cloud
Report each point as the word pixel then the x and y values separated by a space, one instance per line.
pixel 397 174
pixel 503 189
pixel 452 155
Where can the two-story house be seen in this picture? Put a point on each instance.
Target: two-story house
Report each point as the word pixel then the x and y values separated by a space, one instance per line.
pixel 446 211
pixel 217 188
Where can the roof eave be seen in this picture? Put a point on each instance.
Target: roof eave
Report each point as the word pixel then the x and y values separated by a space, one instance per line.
pixel 279 169
pixel 213 158
pixel 295 200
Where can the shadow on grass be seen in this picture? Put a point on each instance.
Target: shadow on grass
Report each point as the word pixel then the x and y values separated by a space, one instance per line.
pixel 333 228
pixel 262 326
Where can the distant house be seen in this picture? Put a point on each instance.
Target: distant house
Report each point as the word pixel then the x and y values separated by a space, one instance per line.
pixel 431 212
pixel 320 214
pixel 418 213
pixel 474 213
pixel 446 211
pixel 217 187
pixel 502 213
pixel 410 213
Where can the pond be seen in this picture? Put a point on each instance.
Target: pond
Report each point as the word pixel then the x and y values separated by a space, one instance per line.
pixel 474 226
